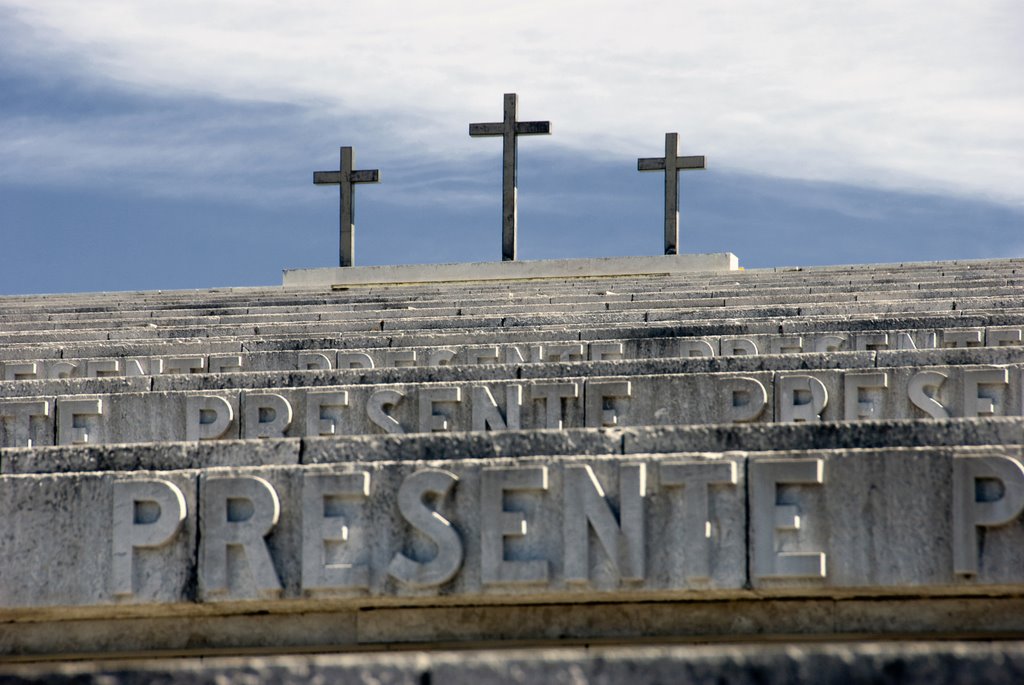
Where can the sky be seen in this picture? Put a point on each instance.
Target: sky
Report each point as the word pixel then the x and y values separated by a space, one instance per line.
pixel 165 145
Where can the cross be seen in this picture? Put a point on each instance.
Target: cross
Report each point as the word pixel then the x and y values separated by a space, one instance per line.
pixel 509 129
pixel 346 179
pixel 671 164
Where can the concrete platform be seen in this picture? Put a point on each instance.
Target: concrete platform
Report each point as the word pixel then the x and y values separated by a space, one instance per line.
pixel 495 271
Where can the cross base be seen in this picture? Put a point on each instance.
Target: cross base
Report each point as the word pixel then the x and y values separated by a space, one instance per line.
pixel 517 270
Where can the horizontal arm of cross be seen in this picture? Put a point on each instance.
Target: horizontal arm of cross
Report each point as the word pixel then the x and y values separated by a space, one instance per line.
pixel 650 164
pixel 691 162
pixel 523 128
pixel 327 177
pixel 337 177
pixel 658 163
pixel 491 129
pixel 367 176
pixel 533 128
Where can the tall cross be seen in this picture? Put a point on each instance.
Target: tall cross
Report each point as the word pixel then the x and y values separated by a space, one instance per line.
pixel 346 179
pixel 509 129
pixel 671 164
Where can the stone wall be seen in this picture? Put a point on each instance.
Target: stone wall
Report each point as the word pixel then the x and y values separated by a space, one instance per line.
pixel 796 455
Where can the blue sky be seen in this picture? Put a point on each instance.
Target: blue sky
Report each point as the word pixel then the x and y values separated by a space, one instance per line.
pixel 172 145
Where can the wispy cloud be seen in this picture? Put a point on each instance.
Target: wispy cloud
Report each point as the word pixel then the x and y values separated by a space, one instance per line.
pixel 916 95
pixel 161 153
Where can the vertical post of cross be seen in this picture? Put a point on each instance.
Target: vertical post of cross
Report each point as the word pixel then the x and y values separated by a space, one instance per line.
pixel 346 178
pixel 347 217
pixel 509 185
pixel 509 129
pixel 671 164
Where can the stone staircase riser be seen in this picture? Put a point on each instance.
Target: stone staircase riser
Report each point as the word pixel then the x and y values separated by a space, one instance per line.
pixel 562 402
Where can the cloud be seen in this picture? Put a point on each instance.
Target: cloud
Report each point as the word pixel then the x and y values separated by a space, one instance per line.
pixel 917 95
pixel 158 154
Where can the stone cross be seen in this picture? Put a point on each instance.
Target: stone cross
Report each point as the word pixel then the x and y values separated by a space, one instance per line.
pixel 346 179
pixel 509 129
pixel 671 164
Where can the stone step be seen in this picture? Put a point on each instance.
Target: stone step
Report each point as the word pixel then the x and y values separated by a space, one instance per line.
pixel 283 301
pixel 51 356
pixel 231 371
pixel 401 544
pixel 545 294
pixel 555 657
pixel 661 496
pixel 444 293
pixel 750 437
pixel 870 272
pixel 870 325
pixel 67 365
pixel 349 301
pixel 572 321
pixel 119 316
pixel 318 403
pixel 787 326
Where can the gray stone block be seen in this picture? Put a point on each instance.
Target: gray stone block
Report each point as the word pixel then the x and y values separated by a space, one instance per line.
pixel 151 456
pixel 869 521
pixel 554 625
pixel 538 564
pixel 905 531
pixel 84 458
pixel 61 533
pixel 570 623
pixel 485 271
pixel 821 524
pixel 75 386
pixel 931 663
pixel 394 669
pixel 147 417
pixel 437 318
pixel 301 336
pixel 954 356
pixel 824 435
pixel 462 445
pixel 566 402
pixel 744 665
pixel 257 524
pixel 574 441
pixel 937 392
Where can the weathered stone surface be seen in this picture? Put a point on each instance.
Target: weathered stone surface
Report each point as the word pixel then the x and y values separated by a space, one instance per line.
pixel 535 563
pixel 856 508
pixel 395 669
pixel 552 268
pixel 231 371
pixel 821 524
pixel 150 456
pixel 823 436
pixel 273 533
pixel 910 663
pixel 876 520
pixel 574 441
pixel 462 445
pixel 61 536
pixel 814 333
pixel 716 317
pixel 763 665
pixel 733 620
pixel 559 401
pixel 121 418
pixel 76 386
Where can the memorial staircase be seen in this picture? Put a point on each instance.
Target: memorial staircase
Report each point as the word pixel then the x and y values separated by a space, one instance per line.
pixel 763 475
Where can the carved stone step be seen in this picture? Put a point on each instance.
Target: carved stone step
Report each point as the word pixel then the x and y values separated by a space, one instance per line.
pixel 308 404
